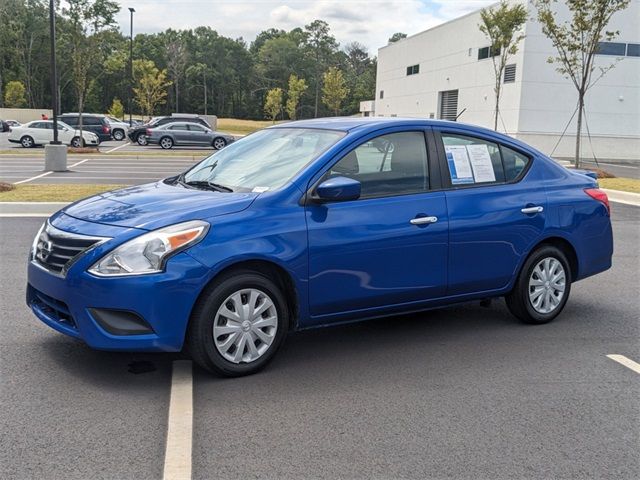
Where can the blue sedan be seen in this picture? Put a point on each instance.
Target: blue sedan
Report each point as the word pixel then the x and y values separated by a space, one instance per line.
pixel 316 223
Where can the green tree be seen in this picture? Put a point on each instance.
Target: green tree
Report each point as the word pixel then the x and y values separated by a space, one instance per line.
pixel 321 46
pixel 502 26
pixel 116 110
pixel 14 95
pixel 273 103
pixel 297 87
pixel 334 89
pixel 152 86
pixel 397 36
pixel 86 19
pixel 576 42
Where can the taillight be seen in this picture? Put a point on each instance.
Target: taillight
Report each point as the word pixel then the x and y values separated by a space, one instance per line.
pixel 148 132
pixel 105 129
pixel 600 196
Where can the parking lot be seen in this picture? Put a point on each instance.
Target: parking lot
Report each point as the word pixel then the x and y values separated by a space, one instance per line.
pixel 463 392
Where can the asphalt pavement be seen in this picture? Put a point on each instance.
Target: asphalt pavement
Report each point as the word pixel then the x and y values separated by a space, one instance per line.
pixel 464 392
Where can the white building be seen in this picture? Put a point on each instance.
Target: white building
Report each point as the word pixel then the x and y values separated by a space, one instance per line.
pixel 446 72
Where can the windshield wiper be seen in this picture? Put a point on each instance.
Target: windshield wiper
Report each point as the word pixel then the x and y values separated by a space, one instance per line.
pixel 207 184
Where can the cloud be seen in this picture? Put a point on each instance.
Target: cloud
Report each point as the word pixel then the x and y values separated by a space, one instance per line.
pixel 370 22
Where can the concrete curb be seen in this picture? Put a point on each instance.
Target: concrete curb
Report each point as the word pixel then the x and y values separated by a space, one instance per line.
pixel 627 198
pixel 30 209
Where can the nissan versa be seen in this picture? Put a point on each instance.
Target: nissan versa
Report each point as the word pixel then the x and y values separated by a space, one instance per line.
pixel 315 223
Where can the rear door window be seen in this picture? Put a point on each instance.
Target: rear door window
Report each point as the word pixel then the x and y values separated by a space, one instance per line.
pixel 472 160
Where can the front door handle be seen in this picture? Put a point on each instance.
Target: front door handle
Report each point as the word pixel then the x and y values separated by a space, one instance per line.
pixel 530 210
pixel 423 220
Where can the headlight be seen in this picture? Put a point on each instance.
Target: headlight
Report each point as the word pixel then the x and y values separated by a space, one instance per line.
pixel 34 245
pixel 149 252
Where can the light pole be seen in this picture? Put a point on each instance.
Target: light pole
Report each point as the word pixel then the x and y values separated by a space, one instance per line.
pixel 132 10
pixel 54 73
pixel 55 154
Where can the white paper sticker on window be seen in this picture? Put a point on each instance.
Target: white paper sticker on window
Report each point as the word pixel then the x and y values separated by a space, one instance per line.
pixel 481 163
pixel 458 160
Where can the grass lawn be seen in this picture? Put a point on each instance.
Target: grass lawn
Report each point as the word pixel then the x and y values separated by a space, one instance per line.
pixel 624 184
pixel 53 193
pixel 241 127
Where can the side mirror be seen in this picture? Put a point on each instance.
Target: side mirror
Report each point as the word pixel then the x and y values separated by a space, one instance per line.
pixel 337 189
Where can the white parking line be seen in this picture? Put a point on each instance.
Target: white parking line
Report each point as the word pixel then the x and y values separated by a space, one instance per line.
pixel 49 173
pixel 118 148
pixel 627 362
pixel 177 458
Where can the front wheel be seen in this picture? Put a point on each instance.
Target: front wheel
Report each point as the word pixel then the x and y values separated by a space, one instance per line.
pixel 76 142
pixel 238 324
pixel 219 143
pixel 542 288
pixel 142 140
pixel 27 142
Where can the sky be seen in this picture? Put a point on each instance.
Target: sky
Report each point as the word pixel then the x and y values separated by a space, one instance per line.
pixel 370 22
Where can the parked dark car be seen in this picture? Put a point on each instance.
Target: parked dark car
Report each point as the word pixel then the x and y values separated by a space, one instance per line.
pixel 187 133
pixel 138 134
pixel 97 124
pixel 4 126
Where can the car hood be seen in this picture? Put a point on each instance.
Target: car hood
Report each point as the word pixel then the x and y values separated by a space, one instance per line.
pixel 156 205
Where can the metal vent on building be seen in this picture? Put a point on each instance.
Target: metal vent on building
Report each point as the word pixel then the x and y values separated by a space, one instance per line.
pixel 510 73
pixel 448 105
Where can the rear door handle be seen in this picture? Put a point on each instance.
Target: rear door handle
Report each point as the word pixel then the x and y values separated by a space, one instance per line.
pixel 530 210
pixel 423 220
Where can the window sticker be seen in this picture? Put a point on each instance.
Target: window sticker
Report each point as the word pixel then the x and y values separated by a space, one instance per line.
pixel 481 163
pixel 459 167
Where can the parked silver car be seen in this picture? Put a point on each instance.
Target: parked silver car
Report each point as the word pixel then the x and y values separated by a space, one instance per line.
pixel 187 133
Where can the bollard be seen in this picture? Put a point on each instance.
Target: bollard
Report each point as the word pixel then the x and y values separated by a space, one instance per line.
pixel 55 158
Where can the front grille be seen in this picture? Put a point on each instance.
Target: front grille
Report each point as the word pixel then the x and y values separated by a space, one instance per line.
pixel 52 308
pixel 56 250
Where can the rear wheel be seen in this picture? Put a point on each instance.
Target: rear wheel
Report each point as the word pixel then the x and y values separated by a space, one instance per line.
pixel 166 143
pixel 141 139
pixel 542 288
pixel 118 135
pixel 238 324
pixel 27 142
pixel 76 142
pixel 219 143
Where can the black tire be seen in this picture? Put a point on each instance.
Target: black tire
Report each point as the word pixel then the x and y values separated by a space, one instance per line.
pixel 141 140
pixel 76 142
pixel 519 302
pixel 166 143
pixel 27 142
pixel 219 143
pixel 199 340
pixel 118 135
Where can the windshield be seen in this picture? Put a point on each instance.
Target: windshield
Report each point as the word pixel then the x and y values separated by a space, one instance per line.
pixel 264 160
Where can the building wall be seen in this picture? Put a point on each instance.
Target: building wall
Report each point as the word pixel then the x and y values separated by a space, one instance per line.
pixel 24 115
pixel 536 107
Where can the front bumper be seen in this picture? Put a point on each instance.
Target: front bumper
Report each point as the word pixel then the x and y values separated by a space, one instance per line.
pixel 163 301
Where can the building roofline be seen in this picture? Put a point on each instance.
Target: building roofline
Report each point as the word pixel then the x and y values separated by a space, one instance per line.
pixel 474 12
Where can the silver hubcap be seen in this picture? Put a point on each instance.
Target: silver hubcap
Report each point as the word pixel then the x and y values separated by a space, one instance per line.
pixel 26 142
pixel 218 144
pixel 142 139
pixel 166 143
pixel 118 135
pixel 245 326
pixel 547 285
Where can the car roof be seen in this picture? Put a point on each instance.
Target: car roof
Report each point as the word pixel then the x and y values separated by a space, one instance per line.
pixel 181 122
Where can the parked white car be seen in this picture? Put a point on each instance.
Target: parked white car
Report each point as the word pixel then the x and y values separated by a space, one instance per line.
pixel 40 132
pixel 118 128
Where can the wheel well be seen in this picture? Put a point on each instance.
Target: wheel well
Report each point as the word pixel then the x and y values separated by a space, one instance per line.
pixel 274 272
pixel 567 249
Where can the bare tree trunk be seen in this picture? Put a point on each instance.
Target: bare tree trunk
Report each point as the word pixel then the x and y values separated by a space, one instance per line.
pixel 204 84
pixel 497 107
pixel 177 93
pixel 579 128
pixel 315 111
